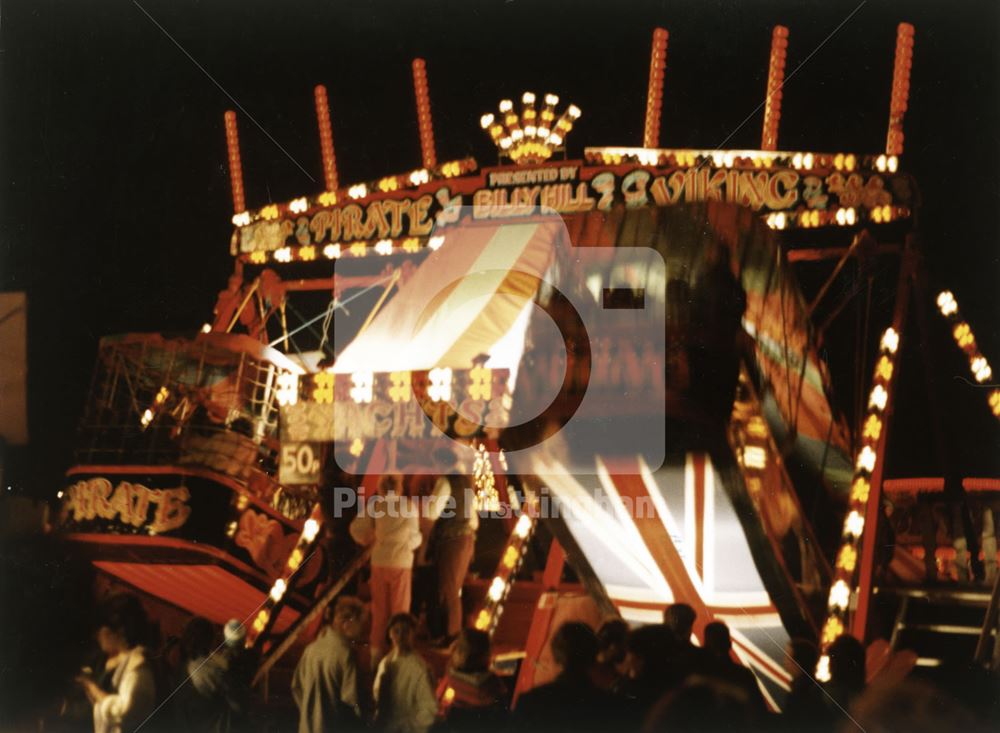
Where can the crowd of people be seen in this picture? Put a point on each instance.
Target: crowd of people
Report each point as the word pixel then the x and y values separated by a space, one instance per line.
pixel 648 679
pixel 614 678
pixel 193 683
pixel 652 678
pixel 645 679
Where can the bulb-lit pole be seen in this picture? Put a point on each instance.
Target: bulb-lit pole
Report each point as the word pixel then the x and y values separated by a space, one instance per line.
pixel 424 114
pixel 654 94
pixel 326 139
pixel 900 89
pixel 235 165
pixel 775 80
pixel 854 558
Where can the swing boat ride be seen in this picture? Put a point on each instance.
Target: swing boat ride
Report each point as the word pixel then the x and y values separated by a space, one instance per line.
pixel 204 463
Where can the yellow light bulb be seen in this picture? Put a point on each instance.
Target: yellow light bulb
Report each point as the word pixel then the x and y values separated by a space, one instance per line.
pixel 854 524
pixel 995 402
pixel 860 490
pixel 883 370
pixel 873 427
pixel 963 335
pixel 823 668
pixel 890 340
pixel 483 620
pixel 847 558
pixel 840 595
pixel 832 629
pixel 497 588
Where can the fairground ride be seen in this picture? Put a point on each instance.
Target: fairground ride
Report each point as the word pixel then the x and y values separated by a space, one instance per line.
pixel 205 465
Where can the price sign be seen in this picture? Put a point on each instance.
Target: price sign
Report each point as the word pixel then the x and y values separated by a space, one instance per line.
pixel 300 464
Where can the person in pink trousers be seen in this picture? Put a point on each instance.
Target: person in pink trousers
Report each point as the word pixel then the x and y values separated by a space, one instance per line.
pixel 391 525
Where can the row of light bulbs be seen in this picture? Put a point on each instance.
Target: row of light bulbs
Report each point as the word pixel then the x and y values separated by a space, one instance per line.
pixel 961 331
pixel 843 217
pixel 338 250
pixel 150 413
pixel 310 530
pixel 854 523
pixel 484 480
pixel 741 159
pixel 357 191
pixel 440 383
pixel 511 559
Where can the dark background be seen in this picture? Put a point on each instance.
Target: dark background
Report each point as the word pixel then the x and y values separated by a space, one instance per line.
pixel 116 203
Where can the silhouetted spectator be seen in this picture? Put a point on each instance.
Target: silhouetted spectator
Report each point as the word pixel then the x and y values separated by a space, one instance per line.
pixel 326 685
pixel 472 696
pixel 404 694
pixel 683 657
pixel 611 638
pixel 719 646
pixel 702 705
pixel 572 701
pixel 679 618
pixel 122 632
pixel 847 671
pixel 648 676
pixel 202 698
pixel 804 703
pixel 913 705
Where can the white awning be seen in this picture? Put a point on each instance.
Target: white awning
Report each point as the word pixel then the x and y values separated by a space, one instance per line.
pixel 471 297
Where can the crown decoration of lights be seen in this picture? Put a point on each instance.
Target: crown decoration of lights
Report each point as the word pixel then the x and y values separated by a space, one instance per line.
pixel 532 136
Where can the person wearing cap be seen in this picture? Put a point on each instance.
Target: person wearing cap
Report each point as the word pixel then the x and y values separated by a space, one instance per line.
pixel 202 701
pixel 392 528
pixel 326 683
pixel 240 663
pixel 234 633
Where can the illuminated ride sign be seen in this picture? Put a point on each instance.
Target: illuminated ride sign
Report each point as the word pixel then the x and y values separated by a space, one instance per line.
pixel 128 505
pixel 396 405
pixel 208 515
pixel 809 195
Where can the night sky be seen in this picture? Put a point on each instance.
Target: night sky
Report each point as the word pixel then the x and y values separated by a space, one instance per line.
pixel 116 205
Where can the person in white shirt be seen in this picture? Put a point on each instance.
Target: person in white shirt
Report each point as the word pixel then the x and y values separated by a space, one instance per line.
pixel 391 525
pixel 326 684
pixel 123 627
pixel 404 692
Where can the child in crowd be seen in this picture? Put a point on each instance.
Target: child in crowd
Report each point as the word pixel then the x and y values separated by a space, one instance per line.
pixel 404 696
pixel 472 696
pixel 611 639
